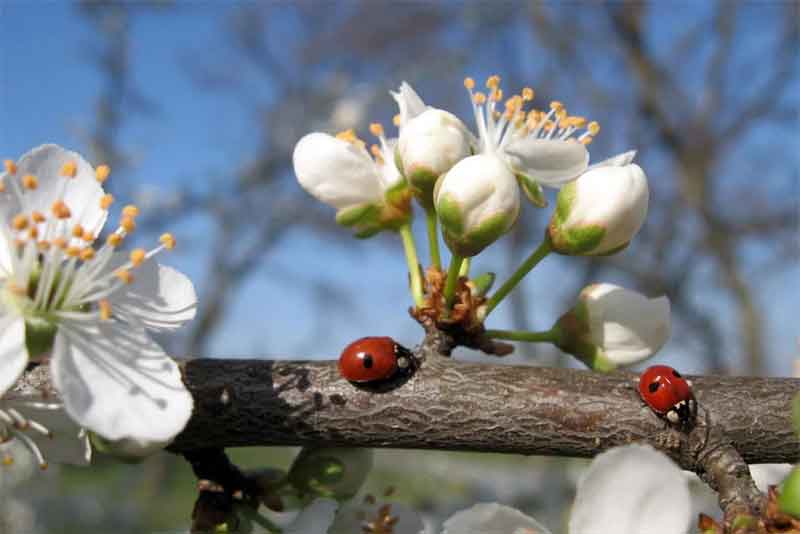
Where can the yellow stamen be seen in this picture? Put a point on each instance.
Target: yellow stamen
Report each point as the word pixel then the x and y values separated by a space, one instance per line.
pixel 396 120
pixel 593 128
pixel 61 210
pixel 130 211
pixel 128 224
pixel 2 185
pixel 38 217
pixel 43 245
pixel 106 201
pixel 8 460
pixel 556 105
pixel 73 252
pixel 376 153
pixel 528 94
pixel 493 82
pixel 479 98
pixel 29 181
pixel 33 233
pixel 124 275
pixel 105 310
pixel 469 83
pixel 578 122
pixel 43 466
pixel 168 240
pixel 114 240
pixel 137 256
pixel 10 166
pixel 586 140
pixel 77 231
pixel 497 95
pixel 87 254
pixel 19 222
pixel 69 169
pixel 376 129
pixel 101 173
pixel 88 236
pixel 60 242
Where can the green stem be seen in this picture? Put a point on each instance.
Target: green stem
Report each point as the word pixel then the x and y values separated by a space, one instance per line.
pixel 433 238
pixel 413 263
pixel 452 281
pixel 464 271
pixel 536 256
pixel 548 336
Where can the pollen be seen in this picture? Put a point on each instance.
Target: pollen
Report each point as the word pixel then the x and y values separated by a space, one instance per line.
pixel 38 217
pixel 29 181
pixel 10 166
pixel 105 310
pixel 128 224
pixel 106 201
pixel 8 460
pixel 376 129
pixel 375 150
pixel 43 246
pixel 593 128
pixel 87 254
pixel 61 210
pixel 77 231
pixel 73 252
pixel 33 233
pixel 60 242
pixel 114 240
pixel 130 211
pixel 168 240
pixel 138 256
pixel 493 82
pixel 479 98
pixel 497 95
pixel 396 120
pixel 69 169
pixel 528 94
pixel 586 140
pixel 101 173
pixel 88 236
pixel 124 275
pixel 469 83
pixel 19 222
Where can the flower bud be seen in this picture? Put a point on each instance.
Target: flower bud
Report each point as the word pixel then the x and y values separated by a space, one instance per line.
pixel 601 211
pixel 336 473
pixel 429 145
pixel 477 201
pixel 612 326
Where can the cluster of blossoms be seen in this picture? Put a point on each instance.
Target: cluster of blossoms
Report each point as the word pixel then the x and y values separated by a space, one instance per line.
pixel 86 307
pixel 470 185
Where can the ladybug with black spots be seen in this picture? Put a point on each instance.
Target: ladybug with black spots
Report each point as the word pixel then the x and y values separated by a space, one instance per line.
pixel 668 394
pixel 375 359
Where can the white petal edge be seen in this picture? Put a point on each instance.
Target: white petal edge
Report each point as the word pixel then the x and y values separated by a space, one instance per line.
pixel 13 353
pixel 117 382
pixel 408 101
pixel 316 518
pixel 5 251
pixel 492 518
pixel 620 160
pixel 550 162
pixel 631 490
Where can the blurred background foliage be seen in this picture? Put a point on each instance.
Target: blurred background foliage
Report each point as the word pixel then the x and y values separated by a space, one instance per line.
pixel 197 106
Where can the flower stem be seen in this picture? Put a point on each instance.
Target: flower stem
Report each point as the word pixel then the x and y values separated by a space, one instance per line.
pixel 530 262
pixel 413 263
pixel 464 271
pixel 547 336
pixel 433 238
pixel 452 281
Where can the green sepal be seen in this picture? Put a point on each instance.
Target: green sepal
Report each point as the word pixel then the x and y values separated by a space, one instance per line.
pixel 398 195
pixel 368 231
pixel 533 190
pixel 789 498
pixel 449 212
pixel 422 181
pixel 573 338
pixel 486 233
pixel 482 284
pixel 359 214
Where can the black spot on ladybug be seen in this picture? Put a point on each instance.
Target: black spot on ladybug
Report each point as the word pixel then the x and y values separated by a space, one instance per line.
pixel 367 361
pixel 676 374
pixel 653 387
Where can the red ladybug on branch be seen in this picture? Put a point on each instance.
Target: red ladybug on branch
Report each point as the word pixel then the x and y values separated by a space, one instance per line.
pixel 668 394
pixel 375 360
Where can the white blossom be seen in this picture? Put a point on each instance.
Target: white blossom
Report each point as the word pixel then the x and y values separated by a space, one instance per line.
pixel 492 518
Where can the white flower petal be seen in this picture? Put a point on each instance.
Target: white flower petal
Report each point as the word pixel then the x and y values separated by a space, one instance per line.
pixel 631 490
pixel 619 160
pixel 119 383
pixel 408 102
pixel 432 142
pixel 766 475
pixel 160 297
pixel 82 194
pixel 5 253
pixel 314 519
pixel 550 162
pixel 492 518
pixel 627 325
pixel 336 172
pixel 13 353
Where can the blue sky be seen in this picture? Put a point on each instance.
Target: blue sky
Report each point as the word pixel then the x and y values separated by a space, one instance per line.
pixel 47 93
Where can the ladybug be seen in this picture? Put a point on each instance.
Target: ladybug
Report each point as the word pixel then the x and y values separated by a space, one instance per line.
pixel 374 359
pixel 668 394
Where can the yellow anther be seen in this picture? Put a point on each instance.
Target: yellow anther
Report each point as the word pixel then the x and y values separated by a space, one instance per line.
pixel 375 150
pixel 130 211
pixel 77 231
pixel 396 120
pixel 8 460
pixel 106 201
pixel 73 252
pixel 38 217
pixel 528 94
pixel 137 256
pixel 128 224
pixel 19 222
pixel 43 466
pixel 577 122
pixel 479 98
pixel 43 245
pixel 124 275
pixel 87 254
pixel 17 290
pixel 497 95
pixel 492 82
pixel 69 169
pixel 101 173
pixel 168 240
pixel 347 135
pixel 469 83
pixel 376 129
pixel 88 236
pixel 496 115
pixel 114 240
pixel 556 105
pixel 61 210
pixel 33 233
pixel 549 125
pixel 593 128
pixel 561 114
pixel 105 310
pixel 10 166
pixel 60 242
pixel 586 140
pixel 29 181
pixel 2 185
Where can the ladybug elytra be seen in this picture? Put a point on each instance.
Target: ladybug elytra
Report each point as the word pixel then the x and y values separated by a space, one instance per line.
pixel 374 359
pixel 668 394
